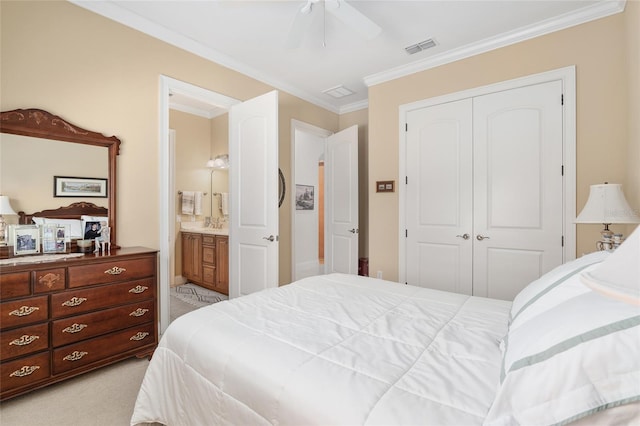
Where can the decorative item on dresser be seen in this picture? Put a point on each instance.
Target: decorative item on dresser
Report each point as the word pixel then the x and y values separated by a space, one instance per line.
pixel 63 318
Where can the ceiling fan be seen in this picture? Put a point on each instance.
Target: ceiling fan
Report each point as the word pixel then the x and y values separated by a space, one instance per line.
pixel 338 8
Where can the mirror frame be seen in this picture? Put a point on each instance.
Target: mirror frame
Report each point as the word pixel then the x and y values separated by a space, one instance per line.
pixel 38 123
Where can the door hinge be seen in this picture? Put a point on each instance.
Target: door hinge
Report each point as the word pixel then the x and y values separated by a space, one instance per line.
pixel 562 99
pixel 406 127
pixel 562 170
pixel 562 241
pixel 406 233
pixel 406 180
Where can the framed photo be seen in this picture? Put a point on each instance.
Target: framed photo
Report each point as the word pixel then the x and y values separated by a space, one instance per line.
pixel 54 238
pixel 26 239
pixel 304 197
pixel 67 186
pixel 92 229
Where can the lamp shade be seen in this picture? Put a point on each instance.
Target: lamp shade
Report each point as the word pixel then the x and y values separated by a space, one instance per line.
pixel 606 204
pixel 221 162
pixel 619 275
pixel 5 206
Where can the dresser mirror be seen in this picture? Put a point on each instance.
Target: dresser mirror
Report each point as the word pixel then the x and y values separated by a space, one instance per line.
pixel 94 149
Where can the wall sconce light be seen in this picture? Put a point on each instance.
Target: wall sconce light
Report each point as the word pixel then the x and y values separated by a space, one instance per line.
pixel 5 209
pixel 607 205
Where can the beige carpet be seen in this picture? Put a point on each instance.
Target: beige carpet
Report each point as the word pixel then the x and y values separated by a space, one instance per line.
pixel 104 397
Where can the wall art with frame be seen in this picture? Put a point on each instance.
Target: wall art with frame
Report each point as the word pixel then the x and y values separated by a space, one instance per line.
pixel 304 197
pixel 68 186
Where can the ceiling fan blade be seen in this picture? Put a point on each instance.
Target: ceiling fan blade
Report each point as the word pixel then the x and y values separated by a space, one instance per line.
pixel 301 23
pixel 353 17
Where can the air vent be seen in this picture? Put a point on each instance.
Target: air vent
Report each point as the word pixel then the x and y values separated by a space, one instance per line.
pixel 338 92
pixel 419 47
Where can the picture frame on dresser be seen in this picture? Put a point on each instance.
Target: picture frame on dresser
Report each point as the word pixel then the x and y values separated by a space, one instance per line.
pixel 54 238
pixel 26 239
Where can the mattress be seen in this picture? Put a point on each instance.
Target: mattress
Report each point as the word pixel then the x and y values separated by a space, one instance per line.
pixel 332 349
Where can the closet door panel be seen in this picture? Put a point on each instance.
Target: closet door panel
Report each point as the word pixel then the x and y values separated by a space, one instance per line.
pixel 439 197
pixel 517 187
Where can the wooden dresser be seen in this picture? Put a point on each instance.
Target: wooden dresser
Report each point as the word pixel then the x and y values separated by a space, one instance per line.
pixel 205 260
pixel 66 317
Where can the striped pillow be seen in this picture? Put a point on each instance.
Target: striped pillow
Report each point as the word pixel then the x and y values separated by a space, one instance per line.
pixel 572 359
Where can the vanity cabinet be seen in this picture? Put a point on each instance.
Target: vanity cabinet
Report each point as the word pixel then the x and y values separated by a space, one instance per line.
pixel 192 256
pixel 62 318
pixel 205 260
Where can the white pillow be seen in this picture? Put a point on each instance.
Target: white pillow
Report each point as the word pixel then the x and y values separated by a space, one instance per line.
pixel 574 358
pixel 552 288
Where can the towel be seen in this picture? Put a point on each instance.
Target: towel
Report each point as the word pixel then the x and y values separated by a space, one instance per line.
pixel 188 201
pixel 197 203
pixel 224 203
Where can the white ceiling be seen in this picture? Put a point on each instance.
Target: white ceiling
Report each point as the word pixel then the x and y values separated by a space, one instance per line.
pixel 250 36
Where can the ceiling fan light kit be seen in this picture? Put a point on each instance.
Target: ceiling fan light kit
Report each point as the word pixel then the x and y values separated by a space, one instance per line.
pixel 340 9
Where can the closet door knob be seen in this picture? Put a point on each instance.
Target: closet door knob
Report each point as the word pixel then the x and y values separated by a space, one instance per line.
pixel 464 236
pixel 480 237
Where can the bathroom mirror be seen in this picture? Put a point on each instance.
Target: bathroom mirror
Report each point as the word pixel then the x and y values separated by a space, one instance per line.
pixel 37 123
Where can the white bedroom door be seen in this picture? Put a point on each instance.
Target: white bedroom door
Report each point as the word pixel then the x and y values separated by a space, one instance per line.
pixel 341 202
pixel 518 200
pixel 484 191
pixel 253 154
pixel 439 197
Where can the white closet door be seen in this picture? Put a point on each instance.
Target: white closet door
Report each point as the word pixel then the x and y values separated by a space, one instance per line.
pixel 517 188
pixel 438 197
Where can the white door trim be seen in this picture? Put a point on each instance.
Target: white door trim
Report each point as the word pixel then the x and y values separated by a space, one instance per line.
pixel 568 77
pixel 300 126
pixel 166 189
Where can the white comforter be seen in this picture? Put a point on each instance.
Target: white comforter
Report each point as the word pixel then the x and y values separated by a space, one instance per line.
pixel 327 350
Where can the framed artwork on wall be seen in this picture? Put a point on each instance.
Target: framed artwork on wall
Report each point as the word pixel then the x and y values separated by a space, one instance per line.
pixel 304 197
pixel 68 186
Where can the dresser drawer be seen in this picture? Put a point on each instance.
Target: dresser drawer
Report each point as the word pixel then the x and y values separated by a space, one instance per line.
pixel 49 280
pixel 24 371
pixel 79 301
pixel 81 327
pixel 14 285
pixel 113 271
pixel 23 341
pixel 100 348
pixel 23 312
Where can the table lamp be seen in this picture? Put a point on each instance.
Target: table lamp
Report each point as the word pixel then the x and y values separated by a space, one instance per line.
pixel 5 209
pixel 607 205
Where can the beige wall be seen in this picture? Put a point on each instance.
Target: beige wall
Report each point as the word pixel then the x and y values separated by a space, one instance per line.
pixel 632 27
pixel 599 51
pixel 105 77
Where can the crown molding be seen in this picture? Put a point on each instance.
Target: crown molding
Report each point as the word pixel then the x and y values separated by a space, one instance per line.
pixel 118 14
pixel 581 16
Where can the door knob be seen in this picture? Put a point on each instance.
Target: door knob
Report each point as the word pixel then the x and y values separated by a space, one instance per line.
pixel 480 237
pixel 354 231
pixel 464 236
pixel 270 238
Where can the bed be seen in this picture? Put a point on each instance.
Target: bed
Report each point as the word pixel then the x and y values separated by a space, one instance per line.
pixel 344 349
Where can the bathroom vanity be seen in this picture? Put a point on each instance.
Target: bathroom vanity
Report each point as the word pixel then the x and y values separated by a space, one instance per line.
pixel 205 258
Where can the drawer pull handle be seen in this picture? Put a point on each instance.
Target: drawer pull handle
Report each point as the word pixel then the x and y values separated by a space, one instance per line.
pixel 24 340
pixel 24 371
pixel 138 289
pixel 24 311
pixel 75 356
pixel 138 312
pixel 74 301
pixel 75 328
pixel 139 335
pixel 116 270
pixel 49 279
